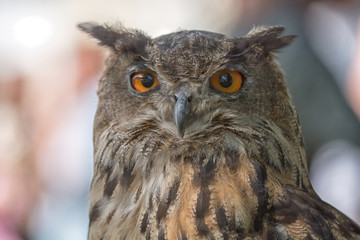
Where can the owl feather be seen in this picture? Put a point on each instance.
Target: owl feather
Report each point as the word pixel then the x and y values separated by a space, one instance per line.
pixel 196 137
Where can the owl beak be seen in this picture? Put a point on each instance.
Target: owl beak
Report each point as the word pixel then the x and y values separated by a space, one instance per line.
pixel 181 111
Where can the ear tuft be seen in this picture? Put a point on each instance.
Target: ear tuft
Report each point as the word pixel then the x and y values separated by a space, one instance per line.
pixel 117 37
pixel 104 34
pixel 269 38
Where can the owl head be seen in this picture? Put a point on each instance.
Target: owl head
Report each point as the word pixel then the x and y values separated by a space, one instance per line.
pixel 187 82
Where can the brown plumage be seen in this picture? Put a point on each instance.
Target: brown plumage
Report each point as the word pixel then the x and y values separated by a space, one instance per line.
pixel 185 160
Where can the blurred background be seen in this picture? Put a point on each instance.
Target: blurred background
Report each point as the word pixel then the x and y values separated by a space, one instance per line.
pixel 48 77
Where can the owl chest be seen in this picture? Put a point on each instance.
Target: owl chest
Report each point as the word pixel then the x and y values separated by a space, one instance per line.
pixel 217 196
pixel 177 194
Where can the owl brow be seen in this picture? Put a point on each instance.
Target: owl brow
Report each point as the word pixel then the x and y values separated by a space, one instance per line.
pixel 231 61
pixel 141 63
pixel 239 50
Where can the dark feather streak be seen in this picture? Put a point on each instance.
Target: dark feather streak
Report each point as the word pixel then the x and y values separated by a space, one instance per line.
pixel 161 234
pixel 127 177
pixel 164 205
pixel 144 222
pixel 258 185
pixel 222 222
pixel 110 186
pixel 232 160
pixel 95 212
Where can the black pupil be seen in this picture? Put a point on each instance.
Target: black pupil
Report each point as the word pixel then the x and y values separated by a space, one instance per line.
pixel 147 80
pixel 225 80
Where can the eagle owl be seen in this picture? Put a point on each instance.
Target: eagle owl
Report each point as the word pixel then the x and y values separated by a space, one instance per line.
pixel 196 137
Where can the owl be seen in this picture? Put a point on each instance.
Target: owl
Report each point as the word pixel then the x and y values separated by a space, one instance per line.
pixel 196 137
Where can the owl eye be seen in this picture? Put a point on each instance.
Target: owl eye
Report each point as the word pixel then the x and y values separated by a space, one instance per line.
pixel 143 81
pixel 227 81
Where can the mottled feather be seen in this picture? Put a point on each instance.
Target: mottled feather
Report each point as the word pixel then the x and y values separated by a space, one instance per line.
pixel 238 172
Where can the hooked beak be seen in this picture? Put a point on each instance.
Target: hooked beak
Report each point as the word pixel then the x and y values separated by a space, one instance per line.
pixel 181 111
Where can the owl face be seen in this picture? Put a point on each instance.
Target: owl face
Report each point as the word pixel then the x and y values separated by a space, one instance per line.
pixel 182 80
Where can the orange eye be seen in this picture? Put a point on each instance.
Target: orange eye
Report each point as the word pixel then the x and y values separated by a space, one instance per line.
pixel 227 81
pixel 143 81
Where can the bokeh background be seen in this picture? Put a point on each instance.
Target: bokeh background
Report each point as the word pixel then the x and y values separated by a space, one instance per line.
pixel 49 72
